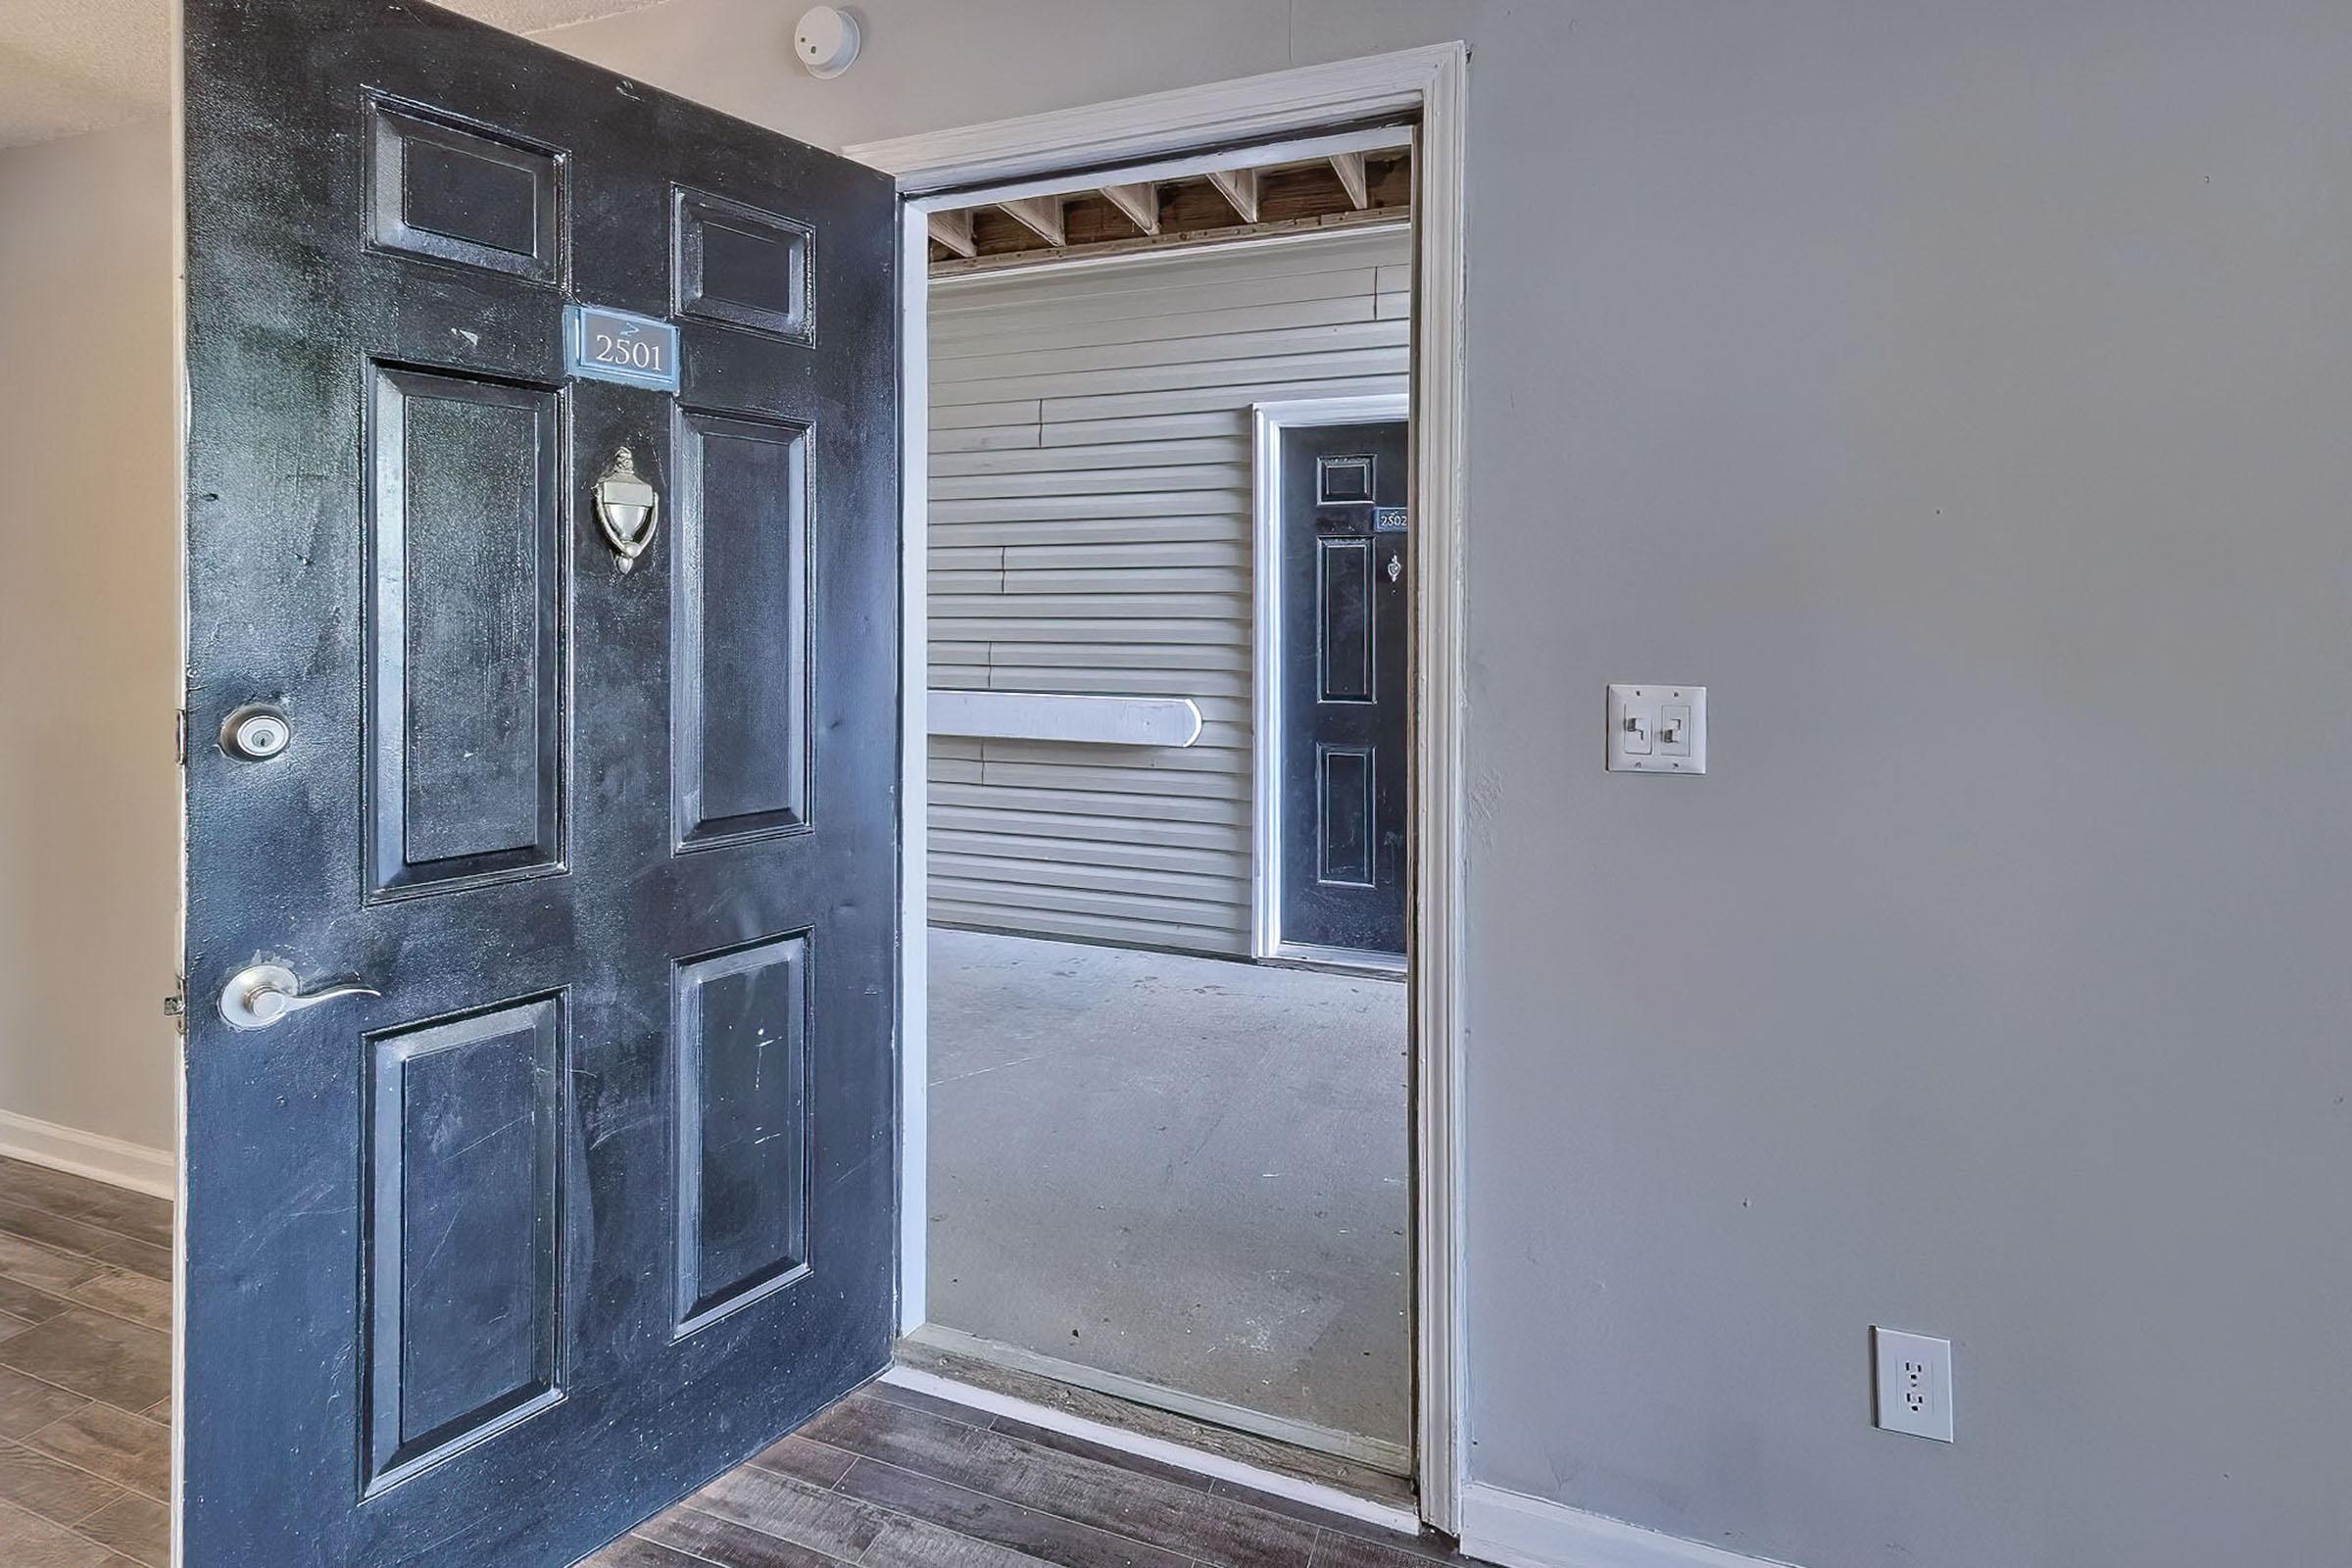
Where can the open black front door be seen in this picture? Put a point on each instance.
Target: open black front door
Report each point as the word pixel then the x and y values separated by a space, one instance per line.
pixel 561 711
pixel 1346 604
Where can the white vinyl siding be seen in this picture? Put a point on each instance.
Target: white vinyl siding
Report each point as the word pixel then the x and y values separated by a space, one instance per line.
pixel 1090 532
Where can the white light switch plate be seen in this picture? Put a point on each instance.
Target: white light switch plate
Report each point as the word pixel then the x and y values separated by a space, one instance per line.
pixel 1658 727
pixel 1915 1382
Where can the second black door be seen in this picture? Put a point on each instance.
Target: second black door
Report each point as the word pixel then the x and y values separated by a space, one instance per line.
pixel 1346 598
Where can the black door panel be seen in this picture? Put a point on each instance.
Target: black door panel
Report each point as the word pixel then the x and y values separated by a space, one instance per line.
pixel 596 1197
pixel 1346 602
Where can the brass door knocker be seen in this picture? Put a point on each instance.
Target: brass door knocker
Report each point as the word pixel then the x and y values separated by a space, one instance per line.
pixel 627 507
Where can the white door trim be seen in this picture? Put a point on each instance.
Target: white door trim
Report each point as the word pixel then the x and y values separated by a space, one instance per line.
pixel 1182 120
pixel 1268 420
pixel 1429 84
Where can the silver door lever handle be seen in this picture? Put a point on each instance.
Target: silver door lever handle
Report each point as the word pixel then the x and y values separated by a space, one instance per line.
pixel 258 997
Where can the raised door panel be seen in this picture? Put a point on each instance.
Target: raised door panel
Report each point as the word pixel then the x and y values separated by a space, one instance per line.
pixel 465 731
pixel 459 191
pixel 456 191
pixel 743 1138
pixel 1344 778
pixel 743 266
pixel 740 628
pixel 1344 620
pixel 464 1125
pixel 1343 480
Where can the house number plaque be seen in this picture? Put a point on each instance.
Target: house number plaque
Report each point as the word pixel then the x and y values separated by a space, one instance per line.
pixel 607 345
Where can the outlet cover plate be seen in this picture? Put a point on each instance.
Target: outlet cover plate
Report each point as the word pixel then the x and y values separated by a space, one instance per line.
pixel 1915 1382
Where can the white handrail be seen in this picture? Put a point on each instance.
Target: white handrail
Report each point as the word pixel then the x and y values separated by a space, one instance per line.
pixel 1066 717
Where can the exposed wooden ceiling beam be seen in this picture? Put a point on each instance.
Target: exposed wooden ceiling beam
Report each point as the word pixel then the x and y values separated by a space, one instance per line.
pixel 1350 167
pixel 1039 215
pixel 1238 187
pixel 954 231
pixel 1139 203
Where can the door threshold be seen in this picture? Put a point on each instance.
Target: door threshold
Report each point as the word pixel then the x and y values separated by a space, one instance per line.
pixel 1342 960
pixel 1006 1380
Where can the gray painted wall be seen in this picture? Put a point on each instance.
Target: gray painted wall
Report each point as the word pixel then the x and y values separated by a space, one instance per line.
pixel 1090 531
pixel 1960 391
pixel 89 635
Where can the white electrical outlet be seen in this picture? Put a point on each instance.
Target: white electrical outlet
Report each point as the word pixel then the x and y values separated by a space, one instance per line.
pixel 1915 1382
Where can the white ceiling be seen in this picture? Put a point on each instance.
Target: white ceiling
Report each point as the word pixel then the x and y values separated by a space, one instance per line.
pixel 69 66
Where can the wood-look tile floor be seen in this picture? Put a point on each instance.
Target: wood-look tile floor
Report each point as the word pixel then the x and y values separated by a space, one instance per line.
pixel 86 1372
pixel 893 1479
pixel 886 1479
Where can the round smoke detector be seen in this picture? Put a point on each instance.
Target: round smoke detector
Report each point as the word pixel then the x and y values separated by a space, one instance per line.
pixel 827 41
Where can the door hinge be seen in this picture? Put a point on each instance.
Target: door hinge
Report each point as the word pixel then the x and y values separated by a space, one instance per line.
pixel 180 736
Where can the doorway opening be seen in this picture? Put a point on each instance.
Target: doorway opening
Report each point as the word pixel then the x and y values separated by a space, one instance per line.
pixel 1163 1169
pixel 1170 1147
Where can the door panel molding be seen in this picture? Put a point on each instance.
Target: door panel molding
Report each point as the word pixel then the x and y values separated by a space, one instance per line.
pixel 516 211
pixel 727 281
pixel 1187 130
pixel 743 1137
pixel 466 734
pixel 1345 669
pixel 464 1284
pixel 739 630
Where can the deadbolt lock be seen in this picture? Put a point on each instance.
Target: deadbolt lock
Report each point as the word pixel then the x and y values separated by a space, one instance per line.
pixel 255 733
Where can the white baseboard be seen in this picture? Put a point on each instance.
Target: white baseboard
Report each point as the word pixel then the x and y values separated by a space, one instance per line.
pixel 153 1171
pixel 1517 1531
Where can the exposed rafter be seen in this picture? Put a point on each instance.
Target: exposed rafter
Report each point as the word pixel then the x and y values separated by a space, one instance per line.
pixel 1350 167
pixel 1360 182
pixel 1238 187
pixel 1039 215
pixel 1139 203
pixel 954 231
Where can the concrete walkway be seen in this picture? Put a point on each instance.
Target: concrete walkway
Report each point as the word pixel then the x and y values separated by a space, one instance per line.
pixel 1186 1170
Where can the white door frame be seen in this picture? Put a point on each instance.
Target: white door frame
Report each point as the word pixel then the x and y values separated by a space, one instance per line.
pixel 1427 83
pixel 1267 422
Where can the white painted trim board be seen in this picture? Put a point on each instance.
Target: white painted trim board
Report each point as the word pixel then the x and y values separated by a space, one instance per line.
pixel 914 770
pixel 1517 1531
pixel 1096 137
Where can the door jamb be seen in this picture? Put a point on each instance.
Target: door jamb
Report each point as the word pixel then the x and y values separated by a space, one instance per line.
pixel 1267 422
pixel 1429 84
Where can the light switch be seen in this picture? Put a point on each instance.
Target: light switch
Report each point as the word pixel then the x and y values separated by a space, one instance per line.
pixel 1674 729
pixel 1657 729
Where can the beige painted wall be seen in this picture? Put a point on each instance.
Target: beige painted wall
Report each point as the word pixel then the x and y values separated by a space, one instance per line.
pixel 1961 391
pixel 89 635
